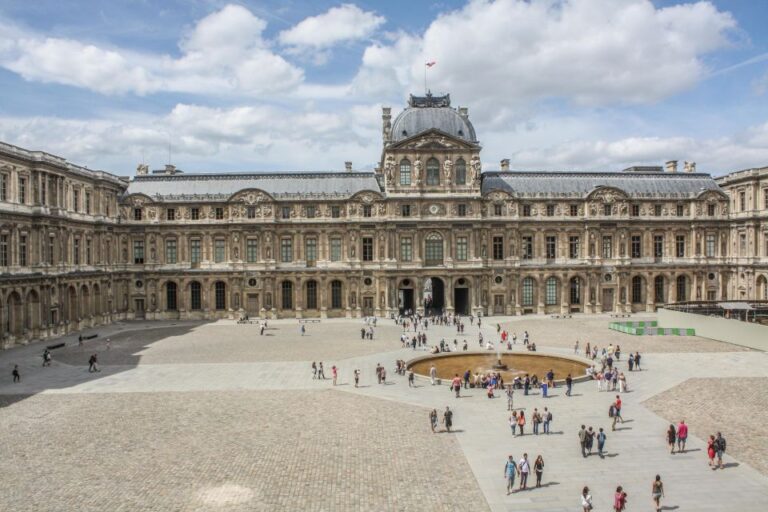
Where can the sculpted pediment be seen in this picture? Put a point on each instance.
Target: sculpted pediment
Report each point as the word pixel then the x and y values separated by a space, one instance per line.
pixel 607 195
pixel 250 197
pixel 137 200
pixel 433 140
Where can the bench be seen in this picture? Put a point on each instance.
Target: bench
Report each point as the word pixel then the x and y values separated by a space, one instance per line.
pixel 249 321
pixel 90 337
pixel 309 321
pixel 55 346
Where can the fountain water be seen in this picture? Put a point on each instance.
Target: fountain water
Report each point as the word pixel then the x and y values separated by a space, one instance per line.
pixel 499 365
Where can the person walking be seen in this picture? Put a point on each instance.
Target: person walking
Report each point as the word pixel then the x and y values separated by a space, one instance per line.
pixel 719 446
pixel 619 499
pixel 682 436
pixel 467 375
pixel 616 408
pixel 671 438
pixel 513 422
pixel 320 371
pixel 568 385
pixel 657 492
pixel 510 398
pixel 538 468
pixel 521 421
pixel 16 374
pixel 314 370
pixel 637 361
pixel 510 470
pixel 433 374
pixel 411 378
pixel 334 374
pixel 46 358
pixel 576 347
pixel 590 440
pixel 456 384
pixel 524 468
pixel 583 441
pixel 433 420
pixel 601 437
pixel 448 419
pixel 357 377
pixel 303 330
pixel 93 364
pixel 536 419
pixel 711 451
pixel 586 500
pixel 547 419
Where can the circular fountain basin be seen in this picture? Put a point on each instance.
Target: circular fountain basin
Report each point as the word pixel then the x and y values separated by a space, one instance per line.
pixel 448 365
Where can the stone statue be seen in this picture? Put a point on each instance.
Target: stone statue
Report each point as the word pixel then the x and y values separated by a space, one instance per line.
pixel 476 167
pixel 389 168
pixel 447 167
pixel 417 171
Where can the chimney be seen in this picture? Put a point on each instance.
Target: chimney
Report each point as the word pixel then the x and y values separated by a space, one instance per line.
pixel 505 164
pixel 170 169
pixel 386 123
pixel 690 166
pixel 142 170
pixel 348 166
pixel 464 112
pixel 671 166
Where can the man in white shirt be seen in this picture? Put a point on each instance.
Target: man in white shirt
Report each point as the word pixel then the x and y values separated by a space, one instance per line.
pixel 524 468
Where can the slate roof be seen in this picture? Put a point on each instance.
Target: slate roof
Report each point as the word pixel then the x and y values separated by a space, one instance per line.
pixel 581 184
pixel 220 187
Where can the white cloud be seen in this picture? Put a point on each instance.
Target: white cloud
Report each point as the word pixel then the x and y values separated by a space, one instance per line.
pixel 224 53
pixel 316 34
pixel 593 52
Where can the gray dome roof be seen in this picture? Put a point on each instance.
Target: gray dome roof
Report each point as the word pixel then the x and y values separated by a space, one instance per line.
pixel 427 113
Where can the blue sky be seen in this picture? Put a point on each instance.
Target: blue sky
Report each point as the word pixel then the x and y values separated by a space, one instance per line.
pixel 278 85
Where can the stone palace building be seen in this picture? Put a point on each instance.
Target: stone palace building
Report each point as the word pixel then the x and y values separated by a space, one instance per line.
pixel 426 229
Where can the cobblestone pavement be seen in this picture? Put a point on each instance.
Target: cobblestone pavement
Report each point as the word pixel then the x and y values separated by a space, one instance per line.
pixel 233 451
pixel 592 329
pixel 736 407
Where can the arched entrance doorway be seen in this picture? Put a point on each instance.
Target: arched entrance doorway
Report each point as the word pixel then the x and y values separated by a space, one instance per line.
pixel 405 297
pixel 434 296
pixel 461 296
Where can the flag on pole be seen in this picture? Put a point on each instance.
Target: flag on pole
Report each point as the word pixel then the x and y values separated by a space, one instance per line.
pixel 430 64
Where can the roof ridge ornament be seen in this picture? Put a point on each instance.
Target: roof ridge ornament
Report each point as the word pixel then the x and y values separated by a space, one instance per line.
pixel 429 101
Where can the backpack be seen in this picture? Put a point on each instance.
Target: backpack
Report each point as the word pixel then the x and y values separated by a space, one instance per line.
pixel 612 411
pixel 549 416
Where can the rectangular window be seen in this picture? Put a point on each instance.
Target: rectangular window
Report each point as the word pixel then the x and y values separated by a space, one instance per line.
pixel 527 292
pixel 138 251
pixel 405 172
pixel 335 249
pixel 711 210
pixel 367 248
pixel 218 250
pixel 742 201
pixel 22 190
pixel 88 203
pixel 170 214
pixel 3 187
pixel 195 250
pixel 461 248
pixel 742 244
pixel 679 210
pixel 406 249
pixel 574 210
pixel 550 210
pixel 680 246
pixel 497 210
pixel 367 210
pixel 310 251
pixel 286 250
pixel 765 198
pixel 574 243
pixel 709 246
pixel 335 212
pixel 311 212
pixel 51 243
pixel 250 212
pixel 636 246
pixel 461 210
pixel 607 210
pixel 658 246
pixel 251 250
pixel 526 210
pixel 195 213
pixel 170 250
pixel 527 247
pixel 23 250
pixel 76 200
pixel 551 247
pixel 219 213
pixel 635 211
pixel 43 198
pixel 88 250
pixel 136 213
pixel 657 210
pixel 3 250
pixel 607 247
pixel 551 292
pixel 405 210
pixel 498 247
pixel 285 212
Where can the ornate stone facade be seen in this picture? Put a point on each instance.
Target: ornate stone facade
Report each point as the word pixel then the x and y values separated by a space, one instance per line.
pixel 81 247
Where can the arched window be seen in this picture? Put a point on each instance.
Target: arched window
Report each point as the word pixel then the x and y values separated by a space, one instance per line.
pixel 433 172
pixel 311 295
pixel 287 294
pixel 551 289
pixel 336 295
pixel 170 296
pixel 220 292
pixel 637 290
pixel 461 172
pixel 195 297
pixel 658 289
pixel 433 249
pixel 405 171
pixel 527 299
pixel 682 288
pixel 575 290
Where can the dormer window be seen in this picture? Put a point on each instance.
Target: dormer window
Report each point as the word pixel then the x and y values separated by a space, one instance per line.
pixel 461 133
pixel 433 172
pixel 405 133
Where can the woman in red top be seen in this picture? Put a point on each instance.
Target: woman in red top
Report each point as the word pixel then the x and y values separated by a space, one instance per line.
pixel 711 449
pixel 619 500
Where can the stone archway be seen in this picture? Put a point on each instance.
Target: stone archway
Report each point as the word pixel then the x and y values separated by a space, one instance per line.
pixel 14 315
pixel 405 297
pixel 32 312
pixel 434 296
pixel 461 296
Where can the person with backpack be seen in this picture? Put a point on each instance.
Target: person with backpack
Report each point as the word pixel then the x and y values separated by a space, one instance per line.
pixel 510 470
pixel 525 468
pixel 536 419
pixel 719 446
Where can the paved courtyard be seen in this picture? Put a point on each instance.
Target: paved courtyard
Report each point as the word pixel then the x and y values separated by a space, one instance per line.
pixel 189 416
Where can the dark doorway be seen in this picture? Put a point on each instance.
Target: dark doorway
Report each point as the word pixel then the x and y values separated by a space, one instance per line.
pixel 405 300
pixel 434 296
pixel 461 301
